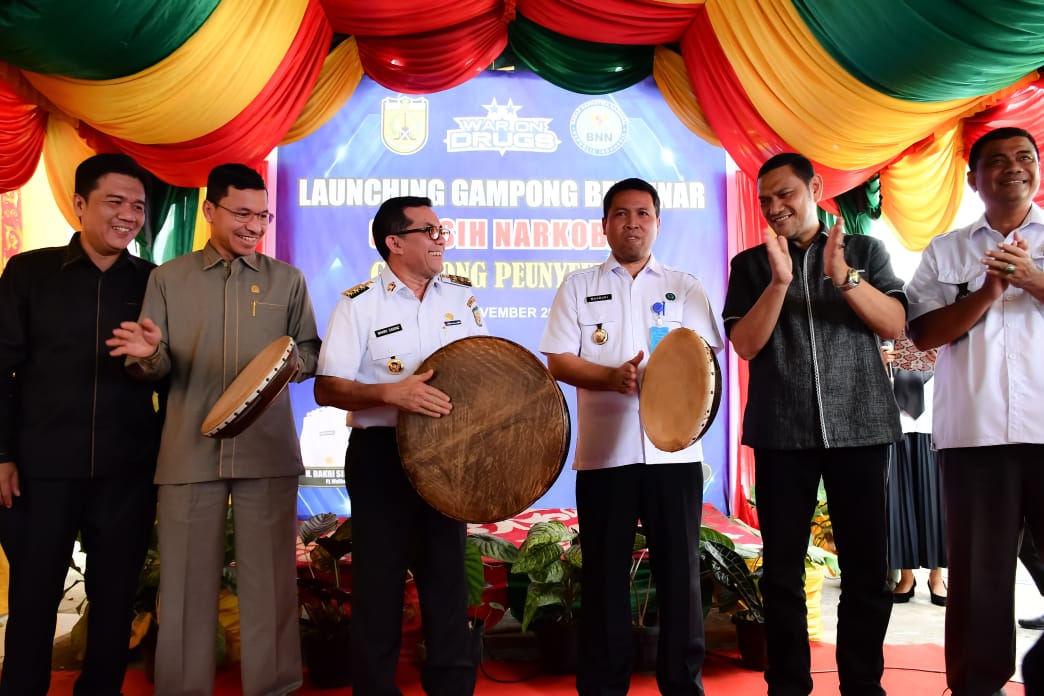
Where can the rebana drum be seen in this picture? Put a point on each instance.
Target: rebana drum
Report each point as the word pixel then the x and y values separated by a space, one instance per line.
pixel 504 443
pixel 680 391
pixel 253 389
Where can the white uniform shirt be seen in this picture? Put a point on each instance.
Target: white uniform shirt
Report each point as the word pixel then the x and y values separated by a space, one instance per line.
pixel 610 431
pixel 988 384
pixel 386 321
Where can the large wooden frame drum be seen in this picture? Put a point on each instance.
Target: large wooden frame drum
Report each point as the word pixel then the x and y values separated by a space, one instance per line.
pixel 253 389
pixel 504 443
pixel 681 391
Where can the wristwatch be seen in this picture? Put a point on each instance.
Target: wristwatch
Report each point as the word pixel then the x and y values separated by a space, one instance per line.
pixel 852 279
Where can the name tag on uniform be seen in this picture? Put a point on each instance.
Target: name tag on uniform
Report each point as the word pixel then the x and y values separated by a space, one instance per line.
pixel 388 330
pixel 451 322
pixel 599 298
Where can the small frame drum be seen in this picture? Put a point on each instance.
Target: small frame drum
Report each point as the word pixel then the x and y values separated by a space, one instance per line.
pixel 505 441
pixel 253 389
pixel 680 391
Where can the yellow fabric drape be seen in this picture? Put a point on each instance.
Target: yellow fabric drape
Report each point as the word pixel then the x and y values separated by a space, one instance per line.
pixel 338 80
pixel 673 80
pixel 234 54
pixel 202 234
pixel 921 193
pixel 63 151
pixel 812 102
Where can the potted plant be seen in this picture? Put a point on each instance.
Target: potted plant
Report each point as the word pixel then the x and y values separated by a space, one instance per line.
pixel 325 640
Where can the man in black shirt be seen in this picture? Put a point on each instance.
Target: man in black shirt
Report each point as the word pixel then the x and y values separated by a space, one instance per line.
pixel 78 436
pixel 807 308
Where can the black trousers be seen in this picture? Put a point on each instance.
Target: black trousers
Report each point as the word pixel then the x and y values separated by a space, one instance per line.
pixel 668 499
pixel 114 518
pixel 989 493
pixel 394 529
pixel 1030 557
pixel 786 486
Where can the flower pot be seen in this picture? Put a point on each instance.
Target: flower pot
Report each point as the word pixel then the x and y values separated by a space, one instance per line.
pixel 326 655
pixel 559 643
pixel 646 642
pixel 751 639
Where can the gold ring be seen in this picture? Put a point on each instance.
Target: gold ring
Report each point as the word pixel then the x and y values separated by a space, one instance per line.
pixel 1009 269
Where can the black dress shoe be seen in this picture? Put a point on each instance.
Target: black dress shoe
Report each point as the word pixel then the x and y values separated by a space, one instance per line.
pixel 1036 624
pixel 904 597
pixel 938 600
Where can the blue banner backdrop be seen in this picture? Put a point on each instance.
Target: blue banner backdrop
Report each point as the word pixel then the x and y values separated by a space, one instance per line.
pixel 517 168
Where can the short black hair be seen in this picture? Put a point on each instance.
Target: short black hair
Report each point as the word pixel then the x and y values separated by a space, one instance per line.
pixel 997 134
pixel 92 169
pixel 234 175
pixel 799 164
pixel 632 184
pixel 391 219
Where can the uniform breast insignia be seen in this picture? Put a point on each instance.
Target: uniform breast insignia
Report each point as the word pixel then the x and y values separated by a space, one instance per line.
pixel 457 280
pixel 359 289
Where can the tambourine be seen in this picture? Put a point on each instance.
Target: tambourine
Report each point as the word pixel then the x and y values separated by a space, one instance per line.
pixel 253 390
pixel 680 391
pixel 504 443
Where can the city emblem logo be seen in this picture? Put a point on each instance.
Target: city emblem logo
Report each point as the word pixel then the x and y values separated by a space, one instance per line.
pixel 404 124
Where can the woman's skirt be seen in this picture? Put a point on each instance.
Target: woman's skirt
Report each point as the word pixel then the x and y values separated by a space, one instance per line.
pixel 916 528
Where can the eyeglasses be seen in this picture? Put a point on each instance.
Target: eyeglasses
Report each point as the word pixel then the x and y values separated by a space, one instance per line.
pixel 433 232
pixel 245 216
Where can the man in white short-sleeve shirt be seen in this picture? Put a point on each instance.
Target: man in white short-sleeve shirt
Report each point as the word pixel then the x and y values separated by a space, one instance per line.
pixel 603 325
pixel 378 335
pixel 977 295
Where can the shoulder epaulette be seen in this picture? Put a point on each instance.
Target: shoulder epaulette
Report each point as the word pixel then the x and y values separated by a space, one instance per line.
pixel 457 280
pixel 358 289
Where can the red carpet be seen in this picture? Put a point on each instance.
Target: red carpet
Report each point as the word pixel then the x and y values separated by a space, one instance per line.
pixel 914 670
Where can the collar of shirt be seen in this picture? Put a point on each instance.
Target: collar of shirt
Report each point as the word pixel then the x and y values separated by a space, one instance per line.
pixel 211 258
pixel 611 264
pixel 1035 218
pixel 75 253
pixel 393 285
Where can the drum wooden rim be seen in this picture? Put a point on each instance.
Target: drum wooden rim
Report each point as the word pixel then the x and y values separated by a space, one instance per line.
pixel 255 387
pixel 681 391
pixel 505 442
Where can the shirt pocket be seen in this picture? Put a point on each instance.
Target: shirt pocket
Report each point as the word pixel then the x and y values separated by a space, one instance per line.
pixel 960 280
pixel 673 314
pixel 599 329
pixel 394 345
pixel 455 328
pixel 268 317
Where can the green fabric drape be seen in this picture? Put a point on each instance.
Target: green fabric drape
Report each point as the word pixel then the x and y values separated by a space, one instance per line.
pixel 175 208
pixel 931 50
pixel 96 40
pixel 860 206
pixel 578 66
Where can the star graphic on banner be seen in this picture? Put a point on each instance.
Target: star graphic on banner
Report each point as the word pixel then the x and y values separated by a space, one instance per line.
pixel 502 111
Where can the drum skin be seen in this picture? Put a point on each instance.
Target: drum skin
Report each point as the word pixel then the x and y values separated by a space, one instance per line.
pixel 253 389
pixel 504 443
pixel 680 392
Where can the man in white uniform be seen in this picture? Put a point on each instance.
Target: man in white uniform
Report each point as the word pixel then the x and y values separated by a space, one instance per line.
pixel 378 335
pixel 978 295
pixel 604 323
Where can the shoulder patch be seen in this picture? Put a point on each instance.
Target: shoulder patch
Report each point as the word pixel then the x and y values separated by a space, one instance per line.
pixel 358 289
pixel 457 280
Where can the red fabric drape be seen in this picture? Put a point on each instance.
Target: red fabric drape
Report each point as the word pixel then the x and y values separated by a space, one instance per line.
pixel 627 22
pixel 742 131
pixel 746 228
pixel 22 130
pixel 250 136
pixel 1023 109
pixel 435 61
pixel 398 17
